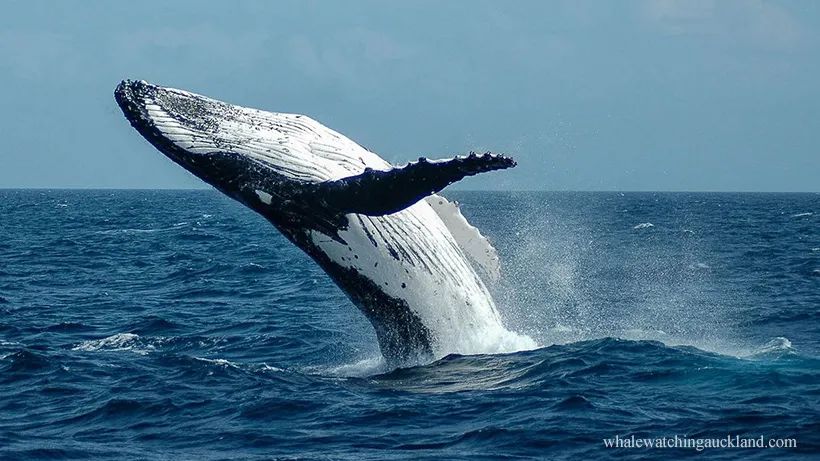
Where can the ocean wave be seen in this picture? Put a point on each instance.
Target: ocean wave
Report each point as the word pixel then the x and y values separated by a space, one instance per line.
pixel 119 342
pixel 150 230
pixel 68 327
pixel 801 215
pixel 135 231
pixel 644 225
pixel 600 359
pixel 776 347
pixel 364 367
pixel 196 367
pixel 252 268
pixel 152 325
pixel 26 361
pixel 266 367
pixel 220 362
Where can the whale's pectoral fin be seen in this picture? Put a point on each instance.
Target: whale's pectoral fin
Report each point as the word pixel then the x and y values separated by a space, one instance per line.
pixel 474 245
pixel 377 192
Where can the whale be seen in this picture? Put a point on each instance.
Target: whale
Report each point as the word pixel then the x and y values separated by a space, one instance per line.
pixel 403 254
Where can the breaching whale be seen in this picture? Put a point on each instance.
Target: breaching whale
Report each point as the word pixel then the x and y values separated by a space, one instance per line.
pixel 405 256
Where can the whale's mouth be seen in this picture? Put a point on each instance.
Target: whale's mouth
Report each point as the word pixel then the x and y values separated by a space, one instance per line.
pixel 137 99
pixel 134 98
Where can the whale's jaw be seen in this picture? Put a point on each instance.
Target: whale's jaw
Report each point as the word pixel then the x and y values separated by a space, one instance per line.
pixel 134 98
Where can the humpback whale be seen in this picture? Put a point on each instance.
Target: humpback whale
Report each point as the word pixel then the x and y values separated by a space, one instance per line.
pixel 404 255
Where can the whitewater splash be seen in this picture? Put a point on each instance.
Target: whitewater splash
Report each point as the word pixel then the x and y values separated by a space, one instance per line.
pixel 492 339
pixel 568 281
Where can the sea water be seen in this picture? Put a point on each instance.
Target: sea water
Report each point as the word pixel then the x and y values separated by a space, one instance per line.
pixel 180 325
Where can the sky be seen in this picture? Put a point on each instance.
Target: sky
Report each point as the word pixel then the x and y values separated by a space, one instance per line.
pixel 695 95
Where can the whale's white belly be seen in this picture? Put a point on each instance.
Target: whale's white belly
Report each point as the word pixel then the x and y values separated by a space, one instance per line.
pixel 412 255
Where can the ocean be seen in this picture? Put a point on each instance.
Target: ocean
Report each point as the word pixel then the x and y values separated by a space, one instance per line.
pixel 170 325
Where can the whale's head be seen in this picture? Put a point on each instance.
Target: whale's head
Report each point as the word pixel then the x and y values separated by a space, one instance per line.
pixel 249 154
pixel 290 168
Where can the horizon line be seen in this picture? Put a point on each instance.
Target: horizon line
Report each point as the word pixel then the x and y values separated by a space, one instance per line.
pixel 194 189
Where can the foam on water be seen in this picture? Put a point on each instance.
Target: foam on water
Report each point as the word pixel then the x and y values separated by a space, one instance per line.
pixel 119 342
pixel 777 345
pixel 220 362
pixel 365 367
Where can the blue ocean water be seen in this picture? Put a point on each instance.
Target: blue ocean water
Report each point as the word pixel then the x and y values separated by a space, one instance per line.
pixel 179 325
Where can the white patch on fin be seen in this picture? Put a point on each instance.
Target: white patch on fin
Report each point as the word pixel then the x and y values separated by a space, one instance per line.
pixel 264 197
pixel 477 248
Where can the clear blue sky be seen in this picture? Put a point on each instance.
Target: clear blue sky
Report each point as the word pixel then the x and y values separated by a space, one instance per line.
pixel 587 95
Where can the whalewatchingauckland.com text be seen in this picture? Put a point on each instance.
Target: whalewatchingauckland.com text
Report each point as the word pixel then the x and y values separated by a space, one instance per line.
pixel 699 444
